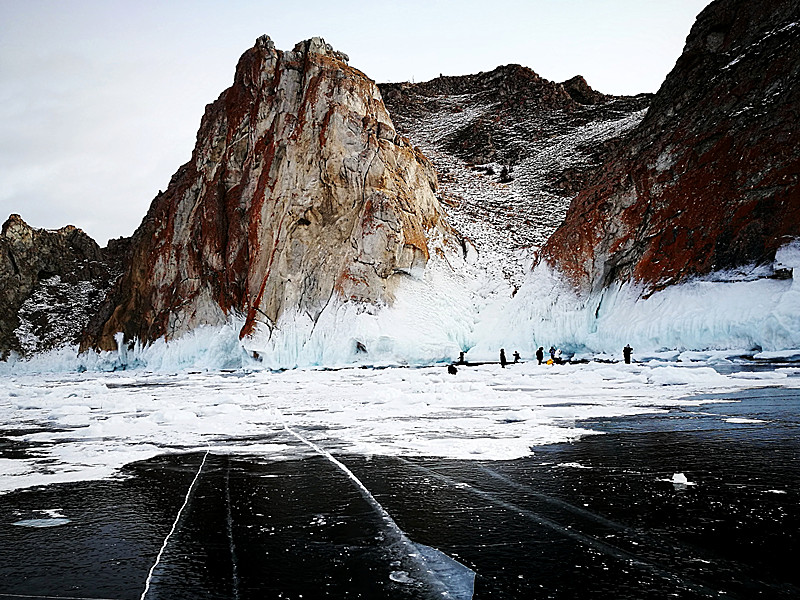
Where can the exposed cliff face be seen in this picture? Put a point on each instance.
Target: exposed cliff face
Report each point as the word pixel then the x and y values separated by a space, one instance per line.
pixel 710 179
pixel 50 284
pixel 298 191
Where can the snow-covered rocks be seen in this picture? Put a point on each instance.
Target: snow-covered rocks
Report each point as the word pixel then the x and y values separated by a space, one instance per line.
pixel 51 282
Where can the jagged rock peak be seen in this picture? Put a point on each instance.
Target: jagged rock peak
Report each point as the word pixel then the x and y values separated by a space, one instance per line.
pixel 710 179
pixel 299 193
pixel 511 84
pixel 581 91
pixel 19 234
pixel 317 45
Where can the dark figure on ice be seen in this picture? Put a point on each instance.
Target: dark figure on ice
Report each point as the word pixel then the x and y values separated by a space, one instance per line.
pixel 503 361
pixel 540 354
pixel 626 352
pixel 516 356
pixel 553 353
pixel 461 358
pixel 452 369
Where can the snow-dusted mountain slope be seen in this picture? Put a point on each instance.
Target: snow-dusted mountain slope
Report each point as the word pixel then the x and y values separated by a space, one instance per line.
pixel 511 150
pixel 51 284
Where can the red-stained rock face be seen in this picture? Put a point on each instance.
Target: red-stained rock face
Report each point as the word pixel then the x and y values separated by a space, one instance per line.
pixel 298 190
pixel 711 177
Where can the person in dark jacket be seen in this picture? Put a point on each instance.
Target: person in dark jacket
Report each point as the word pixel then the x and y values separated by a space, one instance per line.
pixel 553 353
pixel 503 361
pixel 516 356
pixel 626 352
pixel 540 354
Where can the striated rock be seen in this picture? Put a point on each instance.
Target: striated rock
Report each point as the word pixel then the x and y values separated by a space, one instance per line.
pixel 710 179
pixel 298 191
pixel 50 284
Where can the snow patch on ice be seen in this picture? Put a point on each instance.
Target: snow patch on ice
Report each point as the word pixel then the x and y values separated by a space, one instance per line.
pixel 79 426
pixel 401 577
pixel 679 479
pixel 39 523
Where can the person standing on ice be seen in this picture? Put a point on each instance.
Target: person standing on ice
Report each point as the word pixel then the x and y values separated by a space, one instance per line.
pixel 626 352
pixel 553 353
pixel 516 356
pixel 540 354
pixel 503 361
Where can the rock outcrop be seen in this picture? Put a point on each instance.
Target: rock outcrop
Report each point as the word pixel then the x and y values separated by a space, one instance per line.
pixel 580 91
pixel 710 179
pixel 298 191
pixel 51 282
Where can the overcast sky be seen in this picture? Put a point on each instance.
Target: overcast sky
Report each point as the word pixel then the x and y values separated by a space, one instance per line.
pixel 100 101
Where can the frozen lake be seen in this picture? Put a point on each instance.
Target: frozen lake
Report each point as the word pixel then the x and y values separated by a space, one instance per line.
pixel 625 481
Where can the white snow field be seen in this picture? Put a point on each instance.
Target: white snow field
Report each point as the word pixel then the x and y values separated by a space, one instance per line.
pixel 83 426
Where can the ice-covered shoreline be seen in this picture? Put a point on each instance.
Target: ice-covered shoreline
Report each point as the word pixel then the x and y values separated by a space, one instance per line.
pixel 461 307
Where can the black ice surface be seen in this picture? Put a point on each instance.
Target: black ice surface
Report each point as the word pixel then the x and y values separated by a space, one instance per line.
pixel 595 519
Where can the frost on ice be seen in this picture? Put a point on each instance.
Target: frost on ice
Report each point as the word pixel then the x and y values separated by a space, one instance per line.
pixel 748 312
pixel 84 426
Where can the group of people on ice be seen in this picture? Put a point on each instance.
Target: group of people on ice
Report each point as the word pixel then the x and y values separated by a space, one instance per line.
pixel 555 357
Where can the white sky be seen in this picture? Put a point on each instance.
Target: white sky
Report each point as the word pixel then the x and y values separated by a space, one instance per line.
pixel 100 101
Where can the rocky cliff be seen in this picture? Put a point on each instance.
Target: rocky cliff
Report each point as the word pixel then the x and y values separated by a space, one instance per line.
pixel 710 179
pixel 51 282
pixel 299 191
